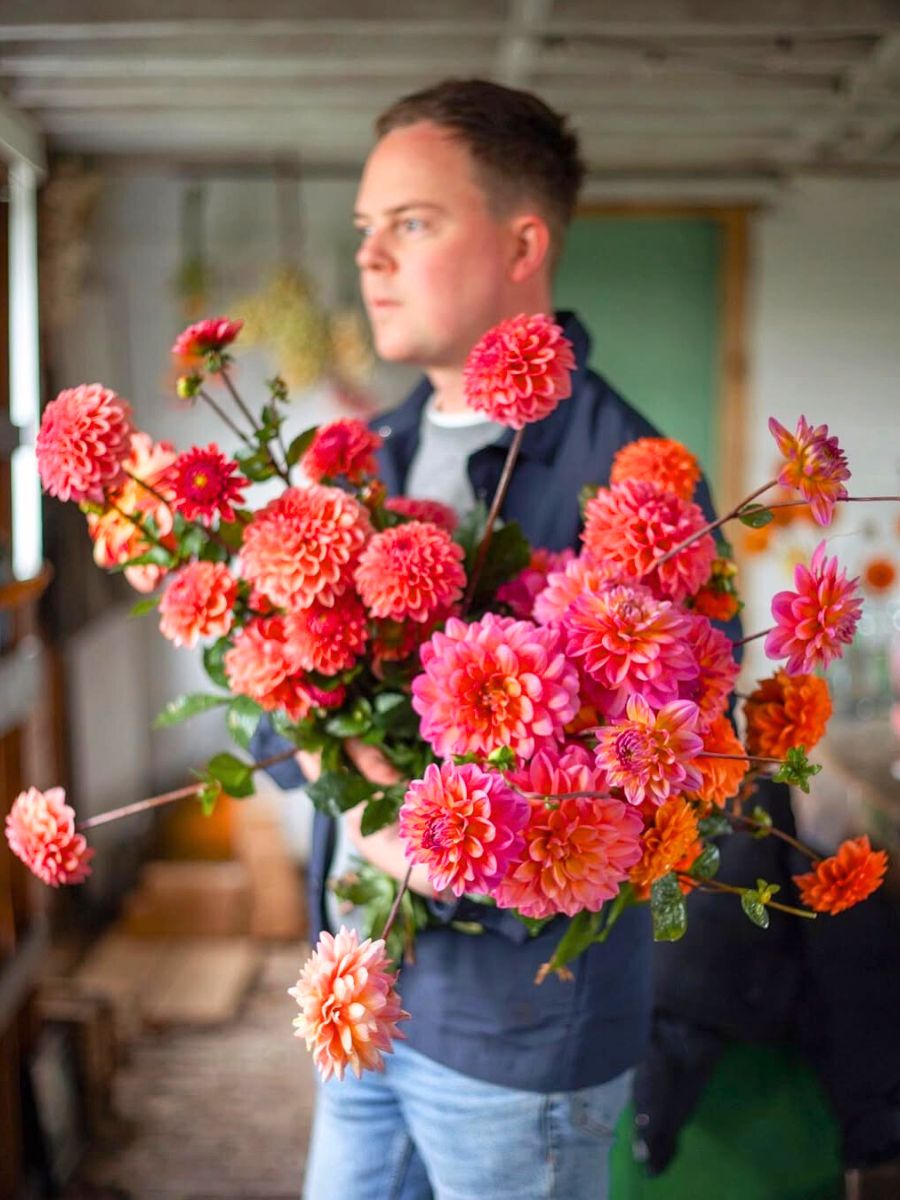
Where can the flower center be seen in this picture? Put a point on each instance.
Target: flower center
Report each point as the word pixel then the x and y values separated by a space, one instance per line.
pixel 438 831
pixel 632 749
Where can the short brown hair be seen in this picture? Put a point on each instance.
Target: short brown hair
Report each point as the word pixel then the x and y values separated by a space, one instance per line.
pixel 523 148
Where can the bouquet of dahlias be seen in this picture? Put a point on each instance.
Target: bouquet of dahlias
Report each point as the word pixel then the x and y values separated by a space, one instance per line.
pixel 559 723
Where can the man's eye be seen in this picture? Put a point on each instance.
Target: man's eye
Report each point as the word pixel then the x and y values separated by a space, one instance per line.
pixel 412 225
pixel 364 231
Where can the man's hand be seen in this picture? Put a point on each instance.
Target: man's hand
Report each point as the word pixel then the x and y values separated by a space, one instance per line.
pixel 368 760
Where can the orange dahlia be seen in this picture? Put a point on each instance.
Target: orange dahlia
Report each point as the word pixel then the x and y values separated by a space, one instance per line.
pixel 419 509
pixel 816 466
pixel 464 825
pixel 40 829
pixel 349 1006
pixel 328 638
pixel 82 444
pixel 660 460
pixel 262 664
pixel 631 525
pixel 848 877
pixel 493 683
pixel 304 545
pixel 879 574
pixel 519 371
pixel 670 843
pixel 650 755
pixel 785 711
pixel 342 449
pixel 815 622
pixel 720 777
pixel 410 571
pixel 198 603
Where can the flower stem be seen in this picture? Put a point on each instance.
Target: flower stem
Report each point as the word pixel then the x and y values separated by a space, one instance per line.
pixel 223 416
pixel 714 885
pixel 737 819
pixel 395 907
pixel 753 637
pixel 758 758
pixel 713 525
pixel 235 395
pixel 137 523
pixel 838 500
pixel 496 503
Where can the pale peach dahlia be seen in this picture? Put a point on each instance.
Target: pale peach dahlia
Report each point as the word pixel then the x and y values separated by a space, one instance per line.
pixel 464 825
pixel 492 683
pixel 649 755
pixel 198 603
pixel 519 371
pixel 262 664
pixel 82 444
pixel 40 829
pixel 410 571
pixel 349 1006
pixel 303 546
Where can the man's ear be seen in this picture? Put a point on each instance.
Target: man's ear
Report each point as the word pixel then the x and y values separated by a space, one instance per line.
pixel 531 247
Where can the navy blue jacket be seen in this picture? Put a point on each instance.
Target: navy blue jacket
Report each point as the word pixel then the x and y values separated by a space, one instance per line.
pixel 474 1004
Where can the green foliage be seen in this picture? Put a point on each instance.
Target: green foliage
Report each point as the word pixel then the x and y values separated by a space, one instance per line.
pixel 184 707
pixel 382 809
pixel 706 864
pixel 755 516
pixel 509 553
pixel 336 791
pixel 242 719
pixel 763 822
pixel 214 661
pixel 585 495
pixel 256 464
pixel 668 909
pixel 300 445
pixel 353 722
pixel 754 901
pixel 235 776
pixel 797 769
pixel 144 606
pixel 715 825
pixel 368 888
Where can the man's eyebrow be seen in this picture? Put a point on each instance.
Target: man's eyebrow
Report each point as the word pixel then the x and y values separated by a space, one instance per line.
pixel 401 208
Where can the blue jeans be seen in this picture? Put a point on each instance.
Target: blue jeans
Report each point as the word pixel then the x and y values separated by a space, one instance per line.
pixel 419 1131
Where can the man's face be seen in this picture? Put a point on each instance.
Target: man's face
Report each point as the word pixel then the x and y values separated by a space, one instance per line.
pixel 433 259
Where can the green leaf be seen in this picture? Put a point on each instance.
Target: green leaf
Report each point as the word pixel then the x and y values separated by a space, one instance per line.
pixel 144 606
pixel 242 720
pixel 668 909
pixel 624 899
pixel 502 758
pixel 231 533
pixel 156 556
pixel 183 707
pixel 509 553
pixel 706 864
pixel 585 495
pixel 235 776
pixel 715 825
pixel 380 811
pixel 470 531
pixel 353 723
pixel 755 909
pixel 763 822
pixel 797 769
pixel 192 541
pixel 534 925
pixel 209 797
pixel 256 465
pixel 300 445
pixel 755 516
pixel 214 661
pixel 334 792
pixel 581 931
pixel 394 714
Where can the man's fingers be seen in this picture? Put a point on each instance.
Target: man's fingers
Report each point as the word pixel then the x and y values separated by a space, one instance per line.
pixel 310 763
pixel 371 762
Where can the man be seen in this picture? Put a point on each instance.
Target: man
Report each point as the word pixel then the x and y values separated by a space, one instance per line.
pixel 504 1090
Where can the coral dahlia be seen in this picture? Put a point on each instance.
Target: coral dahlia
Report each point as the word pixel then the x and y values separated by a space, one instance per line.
pixel 210 336
pixel 848 877
pixel 650 754
pixel 328 638
pixel 262 664
pixel 410 571
pixel 786 711
pixel 40 829
pixel 420 509
pixel 816 466
pixel 349 1006
pixel 661 461
pixel 342 449
pixel 198 603
pixel 464 825
pixel 492 683
pixel 815 622
pixel 519 371
pixel 83 442
pixel 565 584
pixel 720 777
pixel 304 545
pixel 206 485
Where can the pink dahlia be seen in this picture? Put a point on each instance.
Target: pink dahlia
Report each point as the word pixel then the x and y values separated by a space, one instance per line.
pixel 328 638
pixel 464 825
pixel 815 622
pixel 206 337
pixel 262 664
pixel 630 643
pixel 82 444
pixel 816 466
pixel 416 509
pixel 206 485
pixel 349 1006
pixel 198 603
pixel 303 546
pixel 40 829
pixel 565 585
pixel 411 571
pixel 519 592
pixel 578 850
pixel 519 371
pixel 495 682
pixel 714 654
pixel 631 525
pixel 649 754
pixel 344 448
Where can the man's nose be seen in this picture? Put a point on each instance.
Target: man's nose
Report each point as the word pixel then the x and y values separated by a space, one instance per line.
pixel 373 254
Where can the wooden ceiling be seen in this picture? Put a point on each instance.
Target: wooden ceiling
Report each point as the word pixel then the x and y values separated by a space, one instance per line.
pixel 655 87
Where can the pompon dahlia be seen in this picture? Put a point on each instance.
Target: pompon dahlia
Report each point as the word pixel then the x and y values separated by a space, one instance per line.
pixel 848 877
pixel 262 664
pixel 416 509
pixel 816 466
pixel 661 461
pixel 82 444
pixel 786 711
pixel 495 682
pixel 206 485
pixel 720 777
pixel 631 525
pixel 410 571
pixel 464 825
pixel 349 1006
pixel 564 586
pixel 206 337
pixel 650 754
pixel 304 545
pixel 328 638
pixel 393 641
pixel 519 371
pixel 116 538
pixel 671 842
pixel 198 603
pixel 40 829
pixel 630 643
pixel 519 592
pixel 815 622
pixel 718 671
pixel 577 851
pixel 342 449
